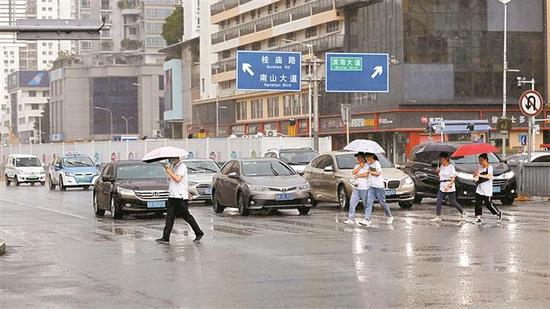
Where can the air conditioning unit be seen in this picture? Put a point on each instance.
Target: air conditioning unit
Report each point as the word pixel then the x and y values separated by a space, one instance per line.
pixel 156 133
pixel 270 133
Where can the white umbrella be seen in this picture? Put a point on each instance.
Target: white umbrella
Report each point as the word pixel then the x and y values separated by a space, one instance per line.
pixel 164 153
pixel 364 145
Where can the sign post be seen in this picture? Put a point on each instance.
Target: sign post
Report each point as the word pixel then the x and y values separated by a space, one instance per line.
pixel 531 104
pixel 357 72
pixel 345 111
pixel 269 71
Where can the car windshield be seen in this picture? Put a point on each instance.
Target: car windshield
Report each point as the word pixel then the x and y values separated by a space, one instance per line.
pixel 347 161
pixel 198 167
pixel 27 162
pixel 266 168
pixel 77 162
pixel 298 157
pixel 473 159
pixel 517 158
pixel 140 171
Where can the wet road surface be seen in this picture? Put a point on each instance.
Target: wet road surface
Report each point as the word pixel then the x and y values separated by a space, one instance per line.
pixel 60 255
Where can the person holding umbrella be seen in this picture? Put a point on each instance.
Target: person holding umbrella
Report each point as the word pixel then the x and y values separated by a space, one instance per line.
pixel 376 190
pixel 177 200
pixel 484 190
pixel 447 188
pixel 360 173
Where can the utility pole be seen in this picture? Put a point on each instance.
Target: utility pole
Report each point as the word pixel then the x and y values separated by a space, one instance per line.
pixel 315 105
pixel 504 71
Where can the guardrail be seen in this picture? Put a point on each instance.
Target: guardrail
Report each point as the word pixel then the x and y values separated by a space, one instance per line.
pixel 533 178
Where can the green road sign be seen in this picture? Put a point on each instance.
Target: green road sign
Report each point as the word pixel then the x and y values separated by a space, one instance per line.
pixel 350 64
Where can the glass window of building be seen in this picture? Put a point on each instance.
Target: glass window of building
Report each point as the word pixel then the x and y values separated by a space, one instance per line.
pixel 256 108
pixel 311 31
pixel 273 107
pixel 241 110
pixel 332 26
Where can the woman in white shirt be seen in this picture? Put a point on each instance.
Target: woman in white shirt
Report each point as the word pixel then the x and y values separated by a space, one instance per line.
pixel 447 188
pixel 484 190
pixel 376 190
pixel 360 173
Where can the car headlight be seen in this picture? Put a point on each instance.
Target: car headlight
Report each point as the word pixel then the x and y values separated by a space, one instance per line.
pixel 20 171
pixel 125 191
pixel 465 176
pixel 353 181
pixel 304 186
pixel 68 174
pixel 192 184
pixel 257 188
pixel 408 181
pixel 509 175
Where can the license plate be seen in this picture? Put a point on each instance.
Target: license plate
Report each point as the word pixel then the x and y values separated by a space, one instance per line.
pixel 208 191
pixel 84 179
pixel 284 197
pixel 156 204
pixel 32 178
pixel 496 189
pixel 390 192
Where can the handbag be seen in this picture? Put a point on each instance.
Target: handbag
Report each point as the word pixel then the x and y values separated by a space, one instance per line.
pixel 482 180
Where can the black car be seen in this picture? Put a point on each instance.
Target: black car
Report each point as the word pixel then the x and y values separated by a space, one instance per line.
pixel 131 186
pixel 423 162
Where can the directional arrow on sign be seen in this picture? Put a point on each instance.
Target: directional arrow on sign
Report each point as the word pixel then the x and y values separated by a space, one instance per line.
pixel 247 68
pixel 378 70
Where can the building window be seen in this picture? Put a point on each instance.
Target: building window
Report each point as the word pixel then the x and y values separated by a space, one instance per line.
pixel 226 54
pixel 311 31
pixel 45 94
pixel 273 107
pixel 32 93
pixel 241 110
pixel 35 107
pixel 291 36
pixel 21 120
pixel 226 84
pixel 256 108
pixel 332 26
pixel 272 42
pixel 296 108
pixel 161 82
pixel 287 106
pixel 256 46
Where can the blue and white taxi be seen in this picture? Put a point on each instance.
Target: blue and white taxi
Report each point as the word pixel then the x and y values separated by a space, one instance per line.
pixel 72 170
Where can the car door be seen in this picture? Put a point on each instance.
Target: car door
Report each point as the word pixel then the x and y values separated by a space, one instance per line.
pixel 55 170
pixel 221 183
pixel 233 183
pixel 10 168
pixel 105 187
pixel 319 179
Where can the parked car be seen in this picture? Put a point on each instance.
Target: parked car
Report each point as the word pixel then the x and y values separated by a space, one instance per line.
pixel 251 184
pixel 297 158
pixel 200 173
pixel 330 178
pixel 73 170
pixel 22 168
pixel 131 187
pixel 536 157
pixel 422 166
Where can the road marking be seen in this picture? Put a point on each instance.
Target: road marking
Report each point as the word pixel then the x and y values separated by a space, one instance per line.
pixel 45 209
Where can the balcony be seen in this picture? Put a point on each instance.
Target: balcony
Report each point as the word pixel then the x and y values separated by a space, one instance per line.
pixel 330 42
pixel 276 19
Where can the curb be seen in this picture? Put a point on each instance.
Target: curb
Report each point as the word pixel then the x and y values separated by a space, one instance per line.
pixel 2 248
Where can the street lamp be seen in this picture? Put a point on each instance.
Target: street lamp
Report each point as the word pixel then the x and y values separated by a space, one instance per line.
pixel 504 70
pixel 126 120
pixel 110 114
pixel 310 82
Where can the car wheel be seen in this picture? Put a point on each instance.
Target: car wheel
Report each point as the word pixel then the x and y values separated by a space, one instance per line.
pixel 16 181
pixel 7 180
pixel 417 199
pixel 343 201
pixel 32 184
pixel 159 214
pixel 218 208
pixel 98 212
pixel 405 205
pixel 51 185
pixel 243 209
pixel 42 183
pixel 507 201
pixel 116 212
pixel 61 185
pixel 303 210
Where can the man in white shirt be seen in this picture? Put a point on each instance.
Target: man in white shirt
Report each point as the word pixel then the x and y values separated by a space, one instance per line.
pixel 177 200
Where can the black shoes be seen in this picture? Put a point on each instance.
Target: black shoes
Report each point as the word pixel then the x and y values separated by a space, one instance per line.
pixel 162 241
pixel 198 237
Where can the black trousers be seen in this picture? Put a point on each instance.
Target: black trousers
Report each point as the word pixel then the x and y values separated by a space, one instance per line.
pixel 178 208
pixel 485 200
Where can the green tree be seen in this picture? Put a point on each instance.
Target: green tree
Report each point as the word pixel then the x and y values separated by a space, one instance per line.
pixel 172 30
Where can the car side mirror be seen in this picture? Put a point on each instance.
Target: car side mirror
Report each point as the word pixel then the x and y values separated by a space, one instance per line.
pixel 233 175
pixel 328 169
pixel 398 166
pixel 435 164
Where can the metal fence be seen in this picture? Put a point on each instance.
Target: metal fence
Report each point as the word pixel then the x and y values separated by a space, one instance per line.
pixel 533 178
pixel 220 149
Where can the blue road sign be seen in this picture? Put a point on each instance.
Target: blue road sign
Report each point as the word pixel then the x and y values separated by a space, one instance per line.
pixel 269 70
pixel 523 139
pixel 356 72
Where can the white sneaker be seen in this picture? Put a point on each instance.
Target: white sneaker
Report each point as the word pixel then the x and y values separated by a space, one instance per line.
pixel 349 221
pixel 390 220
pixel 478 220
pixel 463 216
pixel 364 222
pixel 436 219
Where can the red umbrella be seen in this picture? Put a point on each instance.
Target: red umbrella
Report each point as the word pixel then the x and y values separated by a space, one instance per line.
pixel 474 149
